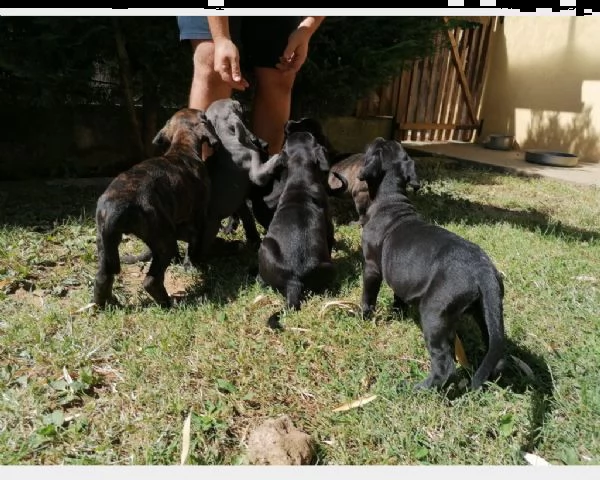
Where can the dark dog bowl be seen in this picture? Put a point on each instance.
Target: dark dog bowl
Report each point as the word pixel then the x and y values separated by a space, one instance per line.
pixel 497 141
pixel 554 159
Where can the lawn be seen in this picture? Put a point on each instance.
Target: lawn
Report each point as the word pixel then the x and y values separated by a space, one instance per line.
pixel 80 386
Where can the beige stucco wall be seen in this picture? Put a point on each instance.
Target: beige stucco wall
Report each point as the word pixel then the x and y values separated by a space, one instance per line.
pixel 543 84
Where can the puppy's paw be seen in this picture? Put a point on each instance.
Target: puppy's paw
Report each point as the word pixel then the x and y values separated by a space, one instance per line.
pixel 253 272
pixel 367 312
pixel 108 302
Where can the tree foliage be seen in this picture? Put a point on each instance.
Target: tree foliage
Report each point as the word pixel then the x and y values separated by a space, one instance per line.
pixel 350 56
pixel 49 61
pixel 66 60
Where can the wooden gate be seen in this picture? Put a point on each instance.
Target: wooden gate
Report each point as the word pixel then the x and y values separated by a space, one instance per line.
pixel 438 98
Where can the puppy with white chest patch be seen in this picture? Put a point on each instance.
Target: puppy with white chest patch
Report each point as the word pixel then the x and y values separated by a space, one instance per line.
pixel 442 273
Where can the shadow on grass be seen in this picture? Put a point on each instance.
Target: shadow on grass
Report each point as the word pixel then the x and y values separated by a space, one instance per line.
pixel 231 269
pixel 444 208
pixel 41 205
pixel 523 371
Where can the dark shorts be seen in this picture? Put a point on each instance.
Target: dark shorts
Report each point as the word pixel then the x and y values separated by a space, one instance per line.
pixel 260 40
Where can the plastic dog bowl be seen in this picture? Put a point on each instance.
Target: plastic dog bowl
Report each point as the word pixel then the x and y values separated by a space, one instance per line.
pixel 555 159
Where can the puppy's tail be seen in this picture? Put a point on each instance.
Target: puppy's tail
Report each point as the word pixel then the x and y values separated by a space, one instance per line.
pixel 491 300
pixel 293 293
pixel 108 238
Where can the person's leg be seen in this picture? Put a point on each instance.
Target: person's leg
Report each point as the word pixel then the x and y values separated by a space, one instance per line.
pixel 272 105
pixel 265 39
pixel 207 85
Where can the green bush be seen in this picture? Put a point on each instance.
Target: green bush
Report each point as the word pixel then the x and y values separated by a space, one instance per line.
pixel 351 56
pixel 52 60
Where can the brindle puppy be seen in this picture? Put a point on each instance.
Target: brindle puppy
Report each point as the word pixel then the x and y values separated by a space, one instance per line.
pixel 160 200
pixel 357 189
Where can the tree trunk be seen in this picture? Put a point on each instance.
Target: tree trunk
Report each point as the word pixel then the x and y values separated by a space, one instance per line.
pixel 127 90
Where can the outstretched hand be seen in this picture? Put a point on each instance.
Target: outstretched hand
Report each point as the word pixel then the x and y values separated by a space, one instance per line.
pixel 296 51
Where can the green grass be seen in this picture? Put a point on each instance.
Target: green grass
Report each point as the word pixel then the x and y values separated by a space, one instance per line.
pixel 137 371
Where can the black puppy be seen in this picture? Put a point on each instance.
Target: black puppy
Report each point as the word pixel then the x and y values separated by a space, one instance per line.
pixel 240 163
pixel 444 274
pixel 160 200
pixel 295 254
pixel 261 197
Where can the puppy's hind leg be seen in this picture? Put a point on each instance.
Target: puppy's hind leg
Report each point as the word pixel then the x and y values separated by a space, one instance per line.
pixel 399 305
pixel 252 236
pixel 163 252
pixel 439 337
pixel 371 285
pixel 107 242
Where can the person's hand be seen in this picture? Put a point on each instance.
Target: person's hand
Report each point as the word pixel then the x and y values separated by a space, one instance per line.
pixel 227 63
pixel 296 51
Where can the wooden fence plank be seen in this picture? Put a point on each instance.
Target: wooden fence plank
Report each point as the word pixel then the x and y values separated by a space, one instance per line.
pixel 402 106
pixel 470 55
pixel 413 95
pixel 437 126
pixel 453 92
pixel 438 98
pixel 433 89
pixel 424 89
pixel 458 62
pixel 437 113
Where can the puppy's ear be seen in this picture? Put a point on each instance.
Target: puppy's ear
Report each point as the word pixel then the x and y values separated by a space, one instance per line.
pixel 321 157
pixel 160 139
pixel 410 174
pixel 210 135
pixel 372 167
pixel 288 126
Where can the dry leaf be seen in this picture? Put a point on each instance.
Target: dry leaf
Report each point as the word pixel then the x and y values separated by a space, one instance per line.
pixel 459 353
pixel 533 459
pixel 185 441
pixel 586 278
pixel 264 300
pixel 70 418
pixel 548 346
pixel 349 306
pixel 259 299
pixel 84 308
pixel 355 404
pixel 66 376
